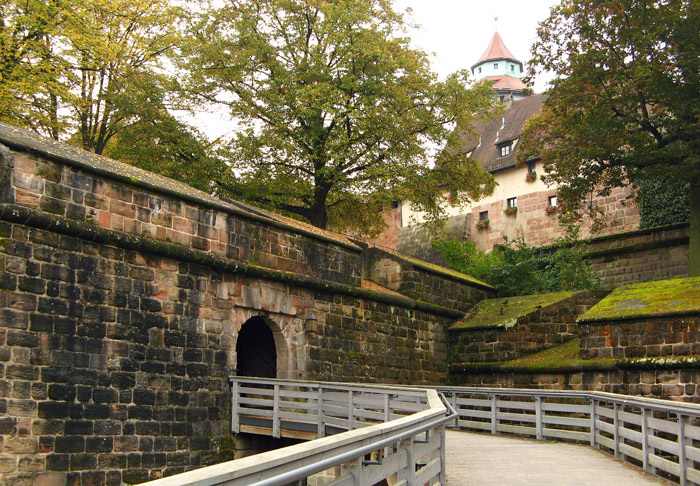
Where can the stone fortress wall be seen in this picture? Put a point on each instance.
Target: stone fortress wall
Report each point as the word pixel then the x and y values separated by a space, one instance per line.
pixel 122 298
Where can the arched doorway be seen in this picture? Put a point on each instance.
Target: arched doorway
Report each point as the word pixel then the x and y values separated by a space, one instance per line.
pixel 255 350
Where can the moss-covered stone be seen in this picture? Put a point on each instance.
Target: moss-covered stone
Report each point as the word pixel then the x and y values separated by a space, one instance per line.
pixel 560 359
pixel 666 297
pixel 505 312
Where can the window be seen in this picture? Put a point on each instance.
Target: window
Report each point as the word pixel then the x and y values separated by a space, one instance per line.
pixel 531 167
pixel 512 67
pixel 512 202
pixel 483 215
pixel 495 65
pixel 479 69
pixel 553 201
pixel 504 149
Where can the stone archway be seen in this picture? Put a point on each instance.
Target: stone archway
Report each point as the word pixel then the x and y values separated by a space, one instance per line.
pixel 256 349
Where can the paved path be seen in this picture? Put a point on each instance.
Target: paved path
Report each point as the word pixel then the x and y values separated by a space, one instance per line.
pixel 484 460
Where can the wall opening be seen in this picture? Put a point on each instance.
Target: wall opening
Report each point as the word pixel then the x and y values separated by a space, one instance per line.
pixel 255 350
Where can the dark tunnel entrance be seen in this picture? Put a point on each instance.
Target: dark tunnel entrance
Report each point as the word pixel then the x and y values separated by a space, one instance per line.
pixel 255 350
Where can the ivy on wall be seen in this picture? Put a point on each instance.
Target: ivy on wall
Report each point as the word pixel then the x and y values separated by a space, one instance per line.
pixel 662 202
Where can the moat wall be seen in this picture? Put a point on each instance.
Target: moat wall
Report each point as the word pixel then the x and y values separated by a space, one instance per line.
pixel 122 295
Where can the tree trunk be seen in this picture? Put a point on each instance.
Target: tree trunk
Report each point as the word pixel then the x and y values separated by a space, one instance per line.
pixel 318 216
pixel 694 244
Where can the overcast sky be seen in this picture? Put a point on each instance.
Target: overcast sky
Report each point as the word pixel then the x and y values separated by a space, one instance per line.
pixel 458 31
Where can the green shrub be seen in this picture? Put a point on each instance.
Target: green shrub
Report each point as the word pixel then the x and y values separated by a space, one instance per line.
pixel 662 202
pixel 515 268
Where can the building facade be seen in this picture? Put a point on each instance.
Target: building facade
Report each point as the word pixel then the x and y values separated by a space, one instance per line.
pixel 521 205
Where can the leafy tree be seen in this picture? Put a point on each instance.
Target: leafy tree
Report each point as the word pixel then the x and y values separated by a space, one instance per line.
pixel 85 70
pixel 160 143
pixel 625 102
pixel 90 73
pixel 114 52
pixel 338 114
pixel 29 71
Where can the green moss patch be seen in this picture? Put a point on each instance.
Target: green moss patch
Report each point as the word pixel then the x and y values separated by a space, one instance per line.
pixel 563 355
pixel 665 297
pixel 505 312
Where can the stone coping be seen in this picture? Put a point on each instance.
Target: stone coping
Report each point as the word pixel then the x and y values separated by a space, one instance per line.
pixel 21 139
pixel 504 312
pixel 674 297
pixel 436 269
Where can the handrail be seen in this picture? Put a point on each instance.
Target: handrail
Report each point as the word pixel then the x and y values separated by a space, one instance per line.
pixel 399 432
pixel 410 447
pixel 684 408
pixel 662 436
pixel 328 463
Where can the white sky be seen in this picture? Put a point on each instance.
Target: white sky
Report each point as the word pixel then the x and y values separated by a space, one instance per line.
pixel 458 31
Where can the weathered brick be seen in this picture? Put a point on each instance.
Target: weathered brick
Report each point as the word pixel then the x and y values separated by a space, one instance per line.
pixel 81 462
pixel 22 338
pixel 12 318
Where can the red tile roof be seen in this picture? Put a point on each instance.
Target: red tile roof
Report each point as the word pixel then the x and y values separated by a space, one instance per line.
pixel 487 153
pixel 506 82
pixel 496 50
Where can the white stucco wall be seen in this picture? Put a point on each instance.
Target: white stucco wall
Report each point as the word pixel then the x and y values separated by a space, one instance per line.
pixel 504 68
pixel 511 183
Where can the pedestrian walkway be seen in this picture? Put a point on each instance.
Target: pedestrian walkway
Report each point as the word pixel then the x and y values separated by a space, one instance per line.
pixel 485 460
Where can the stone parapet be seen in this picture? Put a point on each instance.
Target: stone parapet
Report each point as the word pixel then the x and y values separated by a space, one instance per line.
pixel 424 281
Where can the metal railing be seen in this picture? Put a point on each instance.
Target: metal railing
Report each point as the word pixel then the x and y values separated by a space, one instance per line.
pixel 660 436
pixel 365 434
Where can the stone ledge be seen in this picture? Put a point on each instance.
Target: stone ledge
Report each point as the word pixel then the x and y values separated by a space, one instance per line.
pixel 505 312
pixel 667 298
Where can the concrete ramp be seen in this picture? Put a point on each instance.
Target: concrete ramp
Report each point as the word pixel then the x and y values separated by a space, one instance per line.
pixel 486 460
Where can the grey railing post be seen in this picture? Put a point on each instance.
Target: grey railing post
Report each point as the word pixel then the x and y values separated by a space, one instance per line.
pixel 494 414
pixel 594 440
pixel 235 422
pixel 276 432
pixel 387 410
pixel 616 427
pixel 411 463
pixel 351 412
pixel 682 442
pixel 645 440
pixel 453 400
pixel 538 418
pixel 321 431
pixel 443 456
pixel 357 472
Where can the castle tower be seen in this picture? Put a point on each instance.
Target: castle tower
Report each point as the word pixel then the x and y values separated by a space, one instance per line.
pixel 498 64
